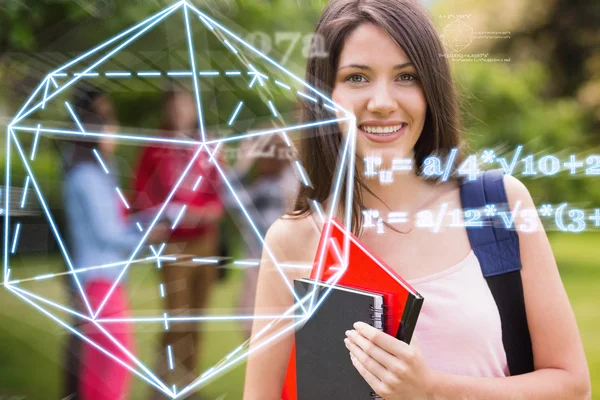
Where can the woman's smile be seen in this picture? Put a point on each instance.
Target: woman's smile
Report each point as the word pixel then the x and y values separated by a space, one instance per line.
pixel 382 131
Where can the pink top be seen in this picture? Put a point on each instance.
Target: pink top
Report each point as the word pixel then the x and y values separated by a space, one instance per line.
pixel 459 329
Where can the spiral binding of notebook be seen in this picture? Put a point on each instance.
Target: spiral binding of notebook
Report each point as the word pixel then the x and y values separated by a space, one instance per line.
pixel 380 318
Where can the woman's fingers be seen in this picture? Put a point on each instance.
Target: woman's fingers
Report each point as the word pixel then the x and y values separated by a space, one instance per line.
pixel 390 344
pixel 370 349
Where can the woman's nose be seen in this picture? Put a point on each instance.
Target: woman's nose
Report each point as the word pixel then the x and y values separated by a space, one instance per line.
pixel 382 101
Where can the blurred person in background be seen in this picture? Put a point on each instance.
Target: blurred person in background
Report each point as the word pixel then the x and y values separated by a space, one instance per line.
pixel 187 284
pixel 98 235
pixel 267 189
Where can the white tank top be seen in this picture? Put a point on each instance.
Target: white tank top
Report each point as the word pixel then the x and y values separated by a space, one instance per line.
pixel 459 328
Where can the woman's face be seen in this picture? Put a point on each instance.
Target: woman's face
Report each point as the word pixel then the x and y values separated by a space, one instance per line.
pixel 376 81
pixel 104 107
pixel 181 112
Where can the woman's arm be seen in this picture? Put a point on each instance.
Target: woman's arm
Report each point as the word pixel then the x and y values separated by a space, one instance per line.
pixel 100 207
pixel 266 368
pixel 561 370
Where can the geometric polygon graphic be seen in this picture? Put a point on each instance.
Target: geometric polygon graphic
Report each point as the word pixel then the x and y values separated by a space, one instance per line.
pixel 246 103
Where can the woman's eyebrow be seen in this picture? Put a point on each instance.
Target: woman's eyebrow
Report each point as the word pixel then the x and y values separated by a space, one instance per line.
pixel 367 68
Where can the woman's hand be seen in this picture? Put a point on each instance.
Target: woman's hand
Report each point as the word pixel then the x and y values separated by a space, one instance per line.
pixel 393 369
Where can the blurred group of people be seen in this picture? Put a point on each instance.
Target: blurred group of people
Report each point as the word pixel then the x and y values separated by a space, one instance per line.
pixel 102 230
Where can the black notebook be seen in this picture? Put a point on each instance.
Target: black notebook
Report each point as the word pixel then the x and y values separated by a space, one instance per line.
pixel 323 366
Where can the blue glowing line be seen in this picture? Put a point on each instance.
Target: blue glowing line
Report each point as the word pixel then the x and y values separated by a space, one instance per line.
pixel 43 277
pixel 80 270
pixel 35 142
pixel 307 96
pixel 195 187
pixel 230 46
pixel 149 73
pixel 156 218
pixel 103 59
pixel 250 263
pixel 350 191
pixel 329 107
pixel 117 74
pixel 7 204
pixel 233 73
pixel 252 81
pixel 287 140
pixel 100 161
pixel 60 74
pixel 277 130
pixel 162 290
pixel 51 303
pixel 267 58
pixel 207 372
pixel 255 229
pixel 212 154
pixel 147 21
pixel 332 209
pixel 238 349
pixel 283 85
pixel 225 318
pixel 74 116
pixel 168 258
pixel 209 73
pixel 123 199
pixel 305 180
pixel 178 218
pixel 45 93
pixel 16 238
pixel 78 334
pixel 24 198
pixel 166 319
pixel 204 21
pixel 273 110
pixel 157 253
pixel 244 355
pixel 205 260
pixel 110 135
pixel 257 75
pixel 235 113
pixel 33 95
pixel 179 73
pixel 174 389
pixel 170 355
pixel 54 82
pixel 50 219
pixel 318 209
pixel 131 356
pixel 89 74
pixel 139 226
pixel 193 63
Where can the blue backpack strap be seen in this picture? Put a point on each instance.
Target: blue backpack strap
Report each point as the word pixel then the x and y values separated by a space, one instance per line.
pixel 497 249
pixel 493 244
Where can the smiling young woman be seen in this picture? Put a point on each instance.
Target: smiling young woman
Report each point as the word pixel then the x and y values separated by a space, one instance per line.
pixel 385 66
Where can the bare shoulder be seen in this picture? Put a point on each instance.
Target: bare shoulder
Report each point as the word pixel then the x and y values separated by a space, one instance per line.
pixel 293 238
pixel 516 191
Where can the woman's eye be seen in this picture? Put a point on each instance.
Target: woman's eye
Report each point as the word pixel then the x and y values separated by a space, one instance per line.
pixel 355 78
pixel 408 77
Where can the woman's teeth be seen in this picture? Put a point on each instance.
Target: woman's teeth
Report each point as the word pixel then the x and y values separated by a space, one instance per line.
pixel 382 130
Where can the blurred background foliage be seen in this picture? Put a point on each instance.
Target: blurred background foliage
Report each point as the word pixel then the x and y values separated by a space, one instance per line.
pixel 546 97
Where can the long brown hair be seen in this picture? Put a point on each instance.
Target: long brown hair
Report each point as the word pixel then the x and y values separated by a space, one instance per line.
pixel 410 26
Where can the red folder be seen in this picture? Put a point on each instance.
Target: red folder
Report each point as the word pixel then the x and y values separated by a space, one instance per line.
pixel 365 271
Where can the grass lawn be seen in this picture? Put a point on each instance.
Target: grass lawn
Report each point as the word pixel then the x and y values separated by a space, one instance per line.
pixel 31 343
